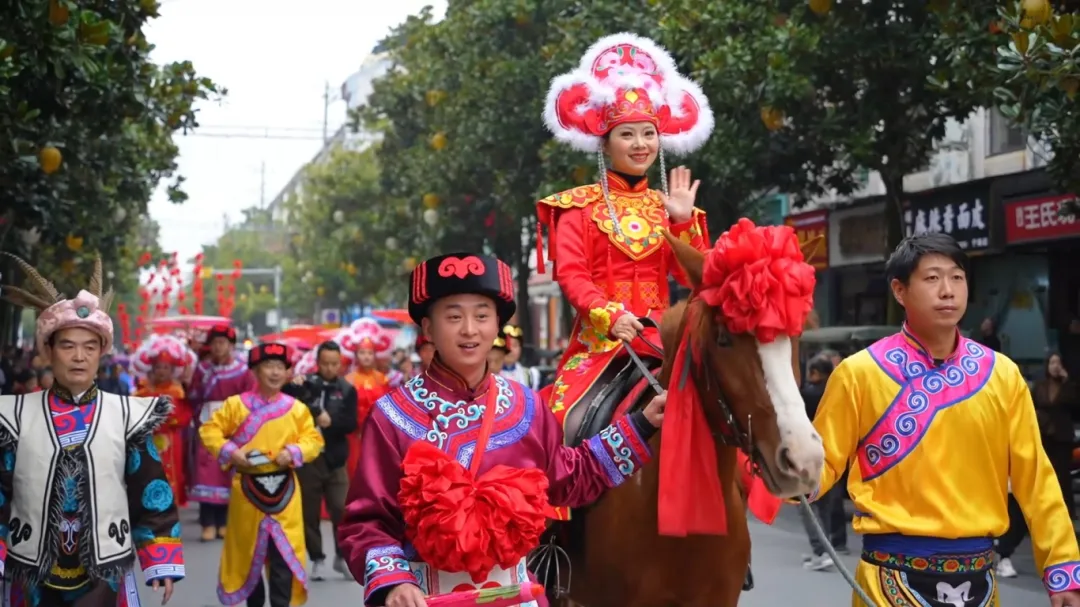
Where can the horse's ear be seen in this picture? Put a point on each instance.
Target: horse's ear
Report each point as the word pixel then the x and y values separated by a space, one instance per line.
pixel 811 246
pixel 690 259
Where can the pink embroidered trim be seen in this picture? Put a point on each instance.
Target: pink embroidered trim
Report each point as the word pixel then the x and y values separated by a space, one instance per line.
pixel 1062 578
pixel 924 391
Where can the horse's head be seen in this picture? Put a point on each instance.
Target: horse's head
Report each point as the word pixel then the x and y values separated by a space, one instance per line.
pixel 747 377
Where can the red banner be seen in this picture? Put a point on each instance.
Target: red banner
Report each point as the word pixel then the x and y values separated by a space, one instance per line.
pixel 1039 219
pixel 809 226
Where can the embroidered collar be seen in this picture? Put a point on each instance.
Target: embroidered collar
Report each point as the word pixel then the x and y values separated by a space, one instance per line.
pixel 229 366
pixel 618 183
pixel 253 400
pixel 913 342
pixel 452 383
pixel 65 396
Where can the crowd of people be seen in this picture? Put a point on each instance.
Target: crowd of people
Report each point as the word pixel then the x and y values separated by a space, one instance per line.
pixel 923 430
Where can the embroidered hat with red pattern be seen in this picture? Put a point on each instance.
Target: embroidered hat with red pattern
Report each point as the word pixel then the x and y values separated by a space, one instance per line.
pixel 460 274
pixel 270 351
pixel 225 331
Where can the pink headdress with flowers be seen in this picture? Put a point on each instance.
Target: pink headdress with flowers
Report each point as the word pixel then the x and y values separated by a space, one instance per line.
pixel 168 349
pixel 88 310
pixel 625 78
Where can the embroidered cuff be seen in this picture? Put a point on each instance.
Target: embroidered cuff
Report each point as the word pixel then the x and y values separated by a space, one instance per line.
pixel 620 450
pixel 225 456
pixel 163 558
pixel 688 230
pixel 297 455
pixel 1062 578
pixel 386 566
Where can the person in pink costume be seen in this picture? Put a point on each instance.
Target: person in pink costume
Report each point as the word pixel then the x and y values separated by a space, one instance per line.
pixel 221 376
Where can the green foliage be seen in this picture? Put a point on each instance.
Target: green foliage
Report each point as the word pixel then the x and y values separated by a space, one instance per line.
pixel 476 81
pixel 78 77
pixel 1035 77
pixel 342 225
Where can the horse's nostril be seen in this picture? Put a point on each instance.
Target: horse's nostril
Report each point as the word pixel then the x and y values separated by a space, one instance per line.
pixel 785 462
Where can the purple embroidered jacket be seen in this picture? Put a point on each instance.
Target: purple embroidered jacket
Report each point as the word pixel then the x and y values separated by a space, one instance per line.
pixel 210 386
pixel 438 407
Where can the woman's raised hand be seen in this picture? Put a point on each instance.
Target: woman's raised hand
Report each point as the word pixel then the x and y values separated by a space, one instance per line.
pixel 680 201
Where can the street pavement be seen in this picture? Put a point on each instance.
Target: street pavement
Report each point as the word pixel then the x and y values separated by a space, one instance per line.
pixel 778 573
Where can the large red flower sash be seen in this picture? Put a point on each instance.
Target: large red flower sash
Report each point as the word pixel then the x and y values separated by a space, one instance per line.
pixel 461 522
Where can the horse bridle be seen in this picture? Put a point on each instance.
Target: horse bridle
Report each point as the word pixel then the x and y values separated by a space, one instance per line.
pixel 735 436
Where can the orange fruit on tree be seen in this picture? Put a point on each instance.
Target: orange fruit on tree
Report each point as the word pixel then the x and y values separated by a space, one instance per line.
pixel 74 242
pixel 409 264
pixel 772 118
pixel 1037 10
pixel 821 7
pixel 50 159
pixel 320 291
pixel 67 266
pixel 58 13
pixel 435 97
pixel 431 200
pixel 438 141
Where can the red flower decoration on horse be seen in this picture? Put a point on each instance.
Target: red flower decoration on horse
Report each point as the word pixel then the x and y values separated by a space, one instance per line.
pixel 758 278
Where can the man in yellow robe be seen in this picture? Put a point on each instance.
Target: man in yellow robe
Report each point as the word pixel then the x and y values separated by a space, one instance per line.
pixel 934 426
pixel 264 435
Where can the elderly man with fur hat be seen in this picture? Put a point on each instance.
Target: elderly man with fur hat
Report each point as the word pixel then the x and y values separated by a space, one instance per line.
pixel 83 493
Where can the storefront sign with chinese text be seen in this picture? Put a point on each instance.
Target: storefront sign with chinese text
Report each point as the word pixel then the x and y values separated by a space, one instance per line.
pixel 858 235
pixel 1038 219
pixel 811 226
pixel 964 220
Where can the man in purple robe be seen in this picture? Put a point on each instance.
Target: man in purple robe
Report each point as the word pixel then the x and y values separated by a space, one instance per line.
pixel 408 532
pixel 215 380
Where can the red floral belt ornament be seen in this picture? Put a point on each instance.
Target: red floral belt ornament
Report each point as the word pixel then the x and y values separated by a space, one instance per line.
pixel 459 522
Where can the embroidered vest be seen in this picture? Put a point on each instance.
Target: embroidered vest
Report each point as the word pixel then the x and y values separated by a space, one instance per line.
pixel 28 420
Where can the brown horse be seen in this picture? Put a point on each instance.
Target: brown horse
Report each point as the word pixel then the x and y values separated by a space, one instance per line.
pixel 749 391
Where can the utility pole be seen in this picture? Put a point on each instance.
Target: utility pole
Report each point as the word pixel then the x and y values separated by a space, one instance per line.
pixel 262 185
pixel 326 113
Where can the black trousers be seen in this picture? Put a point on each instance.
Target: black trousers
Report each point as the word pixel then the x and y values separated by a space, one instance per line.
pixel 1018 530
pixel 279 581
pixel 99 595
pixel 1060 456
pixel 213 515
pixel 318 483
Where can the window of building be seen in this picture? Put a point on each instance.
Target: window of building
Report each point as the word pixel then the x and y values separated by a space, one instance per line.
pixel 1004 136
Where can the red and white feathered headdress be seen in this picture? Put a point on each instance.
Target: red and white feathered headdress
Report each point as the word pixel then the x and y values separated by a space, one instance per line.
pixel 626 78
pixel 366 334
pixel 168 349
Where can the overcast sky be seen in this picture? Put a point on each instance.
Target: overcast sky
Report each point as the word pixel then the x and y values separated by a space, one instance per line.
pixel 275 57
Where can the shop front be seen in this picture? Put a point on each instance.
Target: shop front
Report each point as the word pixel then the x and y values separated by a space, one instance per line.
pixel 1043 245
pixel 859 295
pixel 813 227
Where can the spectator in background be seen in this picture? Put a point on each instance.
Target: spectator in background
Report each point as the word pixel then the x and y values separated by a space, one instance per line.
pixel 827 507
pixel 124 377
pixel 988 335
pixel 1056 396
pixel 1006 545
pixel 45 378
pixel 25 382
pixel 426 350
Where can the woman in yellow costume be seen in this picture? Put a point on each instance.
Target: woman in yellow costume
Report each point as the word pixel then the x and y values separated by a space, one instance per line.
pixel 626 102
pixel 264 435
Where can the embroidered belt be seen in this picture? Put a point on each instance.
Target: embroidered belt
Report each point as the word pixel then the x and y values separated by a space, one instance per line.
pixel 941 564
pixel 270 492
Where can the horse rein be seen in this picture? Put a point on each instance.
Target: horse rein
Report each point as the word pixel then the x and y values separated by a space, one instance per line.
pixel 744 440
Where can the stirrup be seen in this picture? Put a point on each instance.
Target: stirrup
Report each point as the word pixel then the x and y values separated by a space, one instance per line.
pixel 543 559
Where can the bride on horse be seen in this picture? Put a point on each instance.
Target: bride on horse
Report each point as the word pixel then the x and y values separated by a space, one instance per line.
pixel 625 102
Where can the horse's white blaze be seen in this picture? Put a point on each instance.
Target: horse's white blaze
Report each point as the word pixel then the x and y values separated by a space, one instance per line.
pixel 797 434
